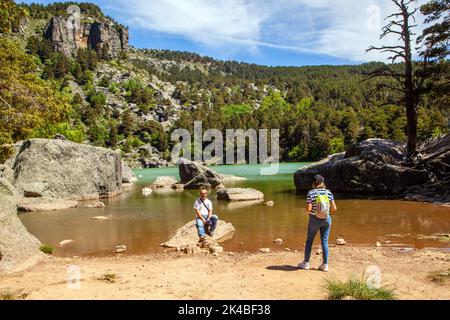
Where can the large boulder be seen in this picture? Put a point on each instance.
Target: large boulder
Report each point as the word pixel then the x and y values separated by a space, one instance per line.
pixel 373 166
pixel 127 174
pixel 194 175
pixel 18 248
pixel 65 170
pixel 187 235
pixel 239 194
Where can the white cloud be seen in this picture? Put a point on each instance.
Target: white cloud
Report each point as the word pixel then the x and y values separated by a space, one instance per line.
pixel 343 29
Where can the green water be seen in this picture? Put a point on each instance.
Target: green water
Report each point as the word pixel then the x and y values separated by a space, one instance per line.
pixel 142 223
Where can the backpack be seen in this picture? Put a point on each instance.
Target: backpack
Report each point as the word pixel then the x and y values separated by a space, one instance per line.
pixel 322 206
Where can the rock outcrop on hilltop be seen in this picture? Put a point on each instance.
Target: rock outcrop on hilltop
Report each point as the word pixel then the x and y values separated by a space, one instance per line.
pixel 18 248
pixel 67 37
pixel 378 166
pixel 62 169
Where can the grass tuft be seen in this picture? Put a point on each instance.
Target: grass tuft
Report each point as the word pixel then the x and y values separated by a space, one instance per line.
pixel 45 248
pixel 439 277
pixel 357 289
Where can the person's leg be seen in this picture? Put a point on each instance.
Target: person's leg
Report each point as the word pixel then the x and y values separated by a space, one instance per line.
pixel 313 227
pixel 213 223
pixel 324 235
pixel 200 227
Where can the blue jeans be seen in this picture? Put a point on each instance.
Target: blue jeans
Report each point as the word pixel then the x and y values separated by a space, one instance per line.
pixel 324 227
pixel 211 223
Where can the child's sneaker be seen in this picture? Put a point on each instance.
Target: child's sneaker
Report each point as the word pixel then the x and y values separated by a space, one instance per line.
pixel 304 265
pixel 324 268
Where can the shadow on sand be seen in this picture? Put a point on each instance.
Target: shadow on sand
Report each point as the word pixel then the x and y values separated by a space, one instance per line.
pixel 283 268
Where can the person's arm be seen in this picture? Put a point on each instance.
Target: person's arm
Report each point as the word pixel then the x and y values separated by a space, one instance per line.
pixel 333 206
pixel 209 210
pixel 332 202
pixel 197 212
pixel 309 203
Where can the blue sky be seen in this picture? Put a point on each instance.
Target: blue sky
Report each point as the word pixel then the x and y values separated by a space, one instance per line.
pixel 269 32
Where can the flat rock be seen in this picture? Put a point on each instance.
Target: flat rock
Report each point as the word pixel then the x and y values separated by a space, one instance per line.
pixel 120 249
pixel 44 204
pixel 239 194
pixel 187 235
pixel 164 182
pixel 147 191
pixel 341 242
pixel 264 250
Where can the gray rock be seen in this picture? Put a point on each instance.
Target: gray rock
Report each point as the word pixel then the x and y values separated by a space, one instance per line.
pixel 187 235
pixel 44 204
pixel 164 183
pixel 65 170
pixel 127 175
pixel 239 194
pixel 194 175
pixel 372 166
pixel 86 35
pixel 18 248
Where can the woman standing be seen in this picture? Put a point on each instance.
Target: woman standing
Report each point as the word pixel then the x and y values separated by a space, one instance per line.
pixel 320 201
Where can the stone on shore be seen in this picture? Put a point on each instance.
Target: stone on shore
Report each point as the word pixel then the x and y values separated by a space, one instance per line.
pixel 65 170
pixel 120 249
pixel 147 191
pixel 341 242
pixel 44 204
pixel 239 194
pixel 187 235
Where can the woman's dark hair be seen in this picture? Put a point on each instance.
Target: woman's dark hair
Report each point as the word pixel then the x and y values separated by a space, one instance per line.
pixel 319 182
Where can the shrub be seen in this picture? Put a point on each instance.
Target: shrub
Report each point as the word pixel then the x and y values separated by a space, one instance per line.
pixel 45 248
pixel 357 289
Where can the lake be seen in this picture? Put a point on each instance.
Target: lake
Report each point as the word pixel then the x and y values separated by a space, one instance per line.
pixel 142 223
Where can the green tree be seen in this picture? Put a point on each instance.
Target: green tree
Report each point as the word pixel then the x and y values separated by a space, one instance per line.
pixel 26 101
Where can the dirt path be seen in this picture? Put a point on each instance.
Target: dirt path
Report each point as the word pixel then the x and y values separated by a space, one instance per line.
pixel 239 276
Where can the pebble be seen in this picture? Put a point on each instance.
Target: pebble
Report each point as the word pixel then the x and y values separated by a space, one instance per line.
pixel 341 242
pixel 318 252
pixel 278 241
pixel 64 242
pixel 287 249
pixel 147 191
pixel 378 244
pixel 264 250
pixel 120 249
pixel 270 203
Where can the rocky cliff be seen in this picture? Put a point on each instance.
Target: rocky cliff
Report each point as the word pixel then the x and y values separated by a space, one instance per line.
pixel 65 170
pixel 67 38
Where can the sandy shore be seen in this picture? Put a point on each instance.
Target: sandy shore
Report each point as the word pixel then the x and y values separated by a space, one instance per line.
pixel 274 275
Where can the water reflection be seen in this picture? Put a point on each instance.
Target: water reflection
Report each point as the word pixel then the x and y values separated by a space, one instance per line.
pixel 142 223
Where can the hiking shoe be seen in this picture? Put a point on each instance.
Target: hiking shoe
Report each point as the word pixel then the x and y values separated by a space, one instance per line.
pixel 304 265
pixel 203 238
pixel 324 268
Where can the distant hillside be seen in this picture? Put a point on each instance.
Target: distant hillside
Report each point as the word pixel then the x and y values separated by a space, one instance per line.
pixel 132 99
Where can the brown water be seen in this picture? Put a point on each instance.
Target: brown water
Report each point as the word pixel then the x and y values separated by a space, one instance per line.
pixel 142 223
